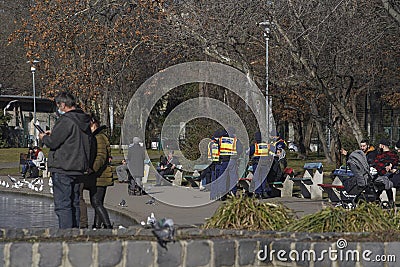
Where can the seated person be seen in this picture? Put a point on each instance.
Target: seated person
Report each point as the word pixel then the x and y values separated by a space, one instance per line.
pixel 35 162
pixel 281 155
pixel 167 166
pixel 123 172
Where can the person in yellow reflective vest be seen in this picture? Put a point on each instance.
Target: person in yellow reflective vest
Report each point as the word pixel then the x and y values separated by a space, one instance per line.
pixel 226 170
pixel 261 159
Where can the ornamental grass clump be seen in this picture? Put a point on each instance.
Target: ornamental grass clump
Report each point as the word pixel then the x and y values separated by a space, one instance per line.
pixel 367 217
pixel 250 214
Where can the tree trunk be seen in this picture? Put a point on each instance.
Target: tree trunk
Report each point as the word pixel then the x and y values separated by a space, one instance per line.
pixel 307 134
pixel 321 133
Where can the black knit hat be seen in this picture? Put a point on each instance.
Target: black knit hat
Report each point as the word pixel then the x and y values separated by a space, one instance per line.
pixel 384 142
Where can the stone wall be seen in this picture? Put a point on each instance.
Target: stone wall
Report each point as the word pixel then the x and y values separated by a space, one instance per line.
pixel 136 246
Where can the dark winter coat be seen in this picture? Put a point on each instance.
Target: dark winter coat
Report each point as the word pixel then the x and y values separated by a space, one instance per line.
pixel 136 157
pixel 69 143
pixel 101 166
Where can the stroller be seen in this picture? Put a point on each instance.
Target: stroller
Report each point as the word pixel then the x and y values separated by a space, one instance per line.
pixel 363 186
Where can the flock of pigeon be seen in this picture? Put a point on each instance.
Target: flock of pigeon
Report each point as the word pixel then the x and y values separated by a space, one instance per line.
pixel 34 184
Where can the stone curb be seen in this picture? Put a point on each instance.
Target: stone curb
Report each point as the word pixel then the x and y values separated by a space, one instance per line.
pixel 215 252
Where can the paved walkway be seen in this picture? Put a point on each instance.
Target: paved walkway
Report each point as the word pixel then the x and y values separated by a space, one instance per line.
pixel 186 206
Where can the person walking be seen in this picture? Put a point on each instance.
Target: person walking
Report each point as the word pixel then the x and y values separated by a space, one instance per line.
pixel 136 156
pixel 69 144
pixel 102 176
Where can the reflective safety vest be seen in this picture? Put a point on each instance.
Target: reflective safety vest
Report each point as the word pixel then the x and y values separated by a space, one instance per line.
pixel 261 149
pixel 227 146
pixel 213 151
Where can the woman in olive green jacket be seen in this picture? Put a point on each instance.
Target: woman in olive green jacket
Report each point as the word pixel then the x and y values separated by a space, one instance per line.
pixel 103 175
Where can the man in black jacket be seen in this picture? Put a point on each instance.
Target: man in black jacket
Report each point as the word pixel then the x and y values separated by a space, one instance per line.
pixel 69 157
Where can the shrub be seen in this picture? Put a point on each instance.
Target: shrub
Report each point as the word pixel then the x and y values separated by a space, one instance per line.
pixel 250 214
pixel 367 217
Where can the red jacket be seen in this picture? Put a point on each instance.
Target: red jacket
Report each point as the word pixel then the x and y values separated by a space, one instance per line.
pixel 384 159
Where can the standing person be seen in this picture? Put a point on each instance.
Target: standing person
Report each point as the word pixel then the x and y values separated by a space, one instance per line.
pixel 230 148
pixel 261 161
pixel 69 144
pixel 102 176
pixel 136 153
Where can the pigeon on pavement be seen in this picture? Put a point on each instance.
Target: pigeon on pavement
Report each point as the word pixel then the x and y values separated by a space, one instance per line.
pixel 164 231
pixel 151 201
pixel 123 203
pixel 12 179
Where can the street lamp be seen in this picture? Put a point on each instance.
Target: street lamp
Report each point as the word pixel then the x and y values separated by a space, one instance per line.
pixel 33 69
pixel 268 100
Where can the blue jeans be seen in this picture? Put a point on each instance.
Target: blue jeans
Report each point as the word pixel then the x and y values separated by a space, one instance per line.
pixel 28 164
pixel 66 200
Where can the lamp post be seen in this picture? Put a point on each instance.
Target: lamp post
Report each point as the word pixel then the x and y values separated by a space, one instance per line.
pixel 268 101
pixel 33 69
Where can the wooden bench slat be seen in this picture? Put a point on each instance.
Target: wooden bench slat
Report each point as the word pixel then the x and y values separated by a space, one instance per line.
pixel 331 186
pixel 300 179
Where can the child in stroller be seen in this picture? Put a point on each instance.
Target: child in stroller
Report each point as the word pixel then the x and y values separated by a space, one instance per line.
pixel 365 185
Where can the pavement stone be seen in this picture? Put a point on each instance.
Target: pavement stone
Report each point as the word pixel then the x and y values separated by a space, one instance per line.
pixel 171 257
pixel 376 249
pixel 21 254
pixel 224 253
pixel 110 253
pixel 80 254
pixel 2 247
pixel 247 252
pixel 393 248
pixel 198 253
pixel 50 254
pixel 139 253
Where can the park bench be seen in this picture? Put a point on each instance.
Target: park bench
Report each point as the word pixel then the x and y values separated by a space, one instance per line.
pixel 308 183
pixel 277 187
pixel 192 179
pixel 335 188
pixel 174 179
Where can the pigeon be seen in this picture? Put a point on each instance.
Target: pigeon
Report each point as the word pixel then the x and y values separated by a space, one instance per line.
pixel 41 188
pixel 50 182
pixel 121 227
pixel 12 179
pixel 151 201
pixel 51 190
pixel 7 185
pixel 3 183
pixel 151 220
pixel 35 181
pixel 123 203
pixel 164 231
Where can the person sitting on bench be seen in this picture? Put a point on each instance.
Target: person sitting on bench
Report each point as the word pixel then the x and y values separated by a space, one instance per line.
pixel 33 163
pixel 123 172
pixel 167 167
